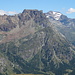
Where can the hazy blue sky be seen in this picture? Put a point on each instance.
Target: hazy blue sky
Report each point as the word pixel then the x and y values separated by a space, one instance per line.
pixel 66 7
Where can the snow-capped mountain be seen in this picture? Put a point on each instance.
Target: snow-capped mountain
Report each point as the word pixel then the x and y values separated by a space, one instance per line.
pixel 54 15
pixel 63 24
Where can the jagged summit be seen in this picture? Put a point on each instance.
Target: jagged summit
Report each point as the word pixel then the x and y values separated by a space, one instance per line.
pixel 31 10
pixel 34 11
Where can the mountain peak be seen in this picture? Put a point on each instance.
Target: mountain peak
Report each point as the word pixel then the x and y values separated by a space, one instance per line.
pixel 54 14
pixel 31 11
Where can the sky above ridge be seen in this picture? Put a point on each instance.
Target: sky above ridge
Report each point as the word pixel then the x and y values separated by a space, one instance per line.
pixel 66 7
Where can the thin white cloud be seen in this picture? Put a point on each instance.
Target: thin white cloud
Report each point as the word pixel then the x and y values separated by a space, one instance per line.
pixel 12 12
pixel 2 12
pixel 71 10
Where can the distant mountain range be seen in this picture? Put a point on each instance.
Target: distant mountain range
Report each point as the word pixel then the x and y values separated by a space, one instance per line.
pixel 34 42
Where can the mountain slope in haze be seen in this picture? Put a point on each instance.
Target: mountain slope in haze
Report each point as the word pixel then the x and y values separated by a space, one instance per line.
pixel 63 24
pixel 30 44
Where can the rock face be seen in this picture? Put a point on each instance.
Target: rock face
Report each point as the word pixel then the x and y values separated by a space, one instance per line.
pixel 30 44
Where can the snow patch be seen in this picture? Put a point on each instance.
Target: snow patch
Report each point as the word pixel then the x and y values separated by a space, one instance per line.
pixel 47 16
pixel 55 15
pixel 54 12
